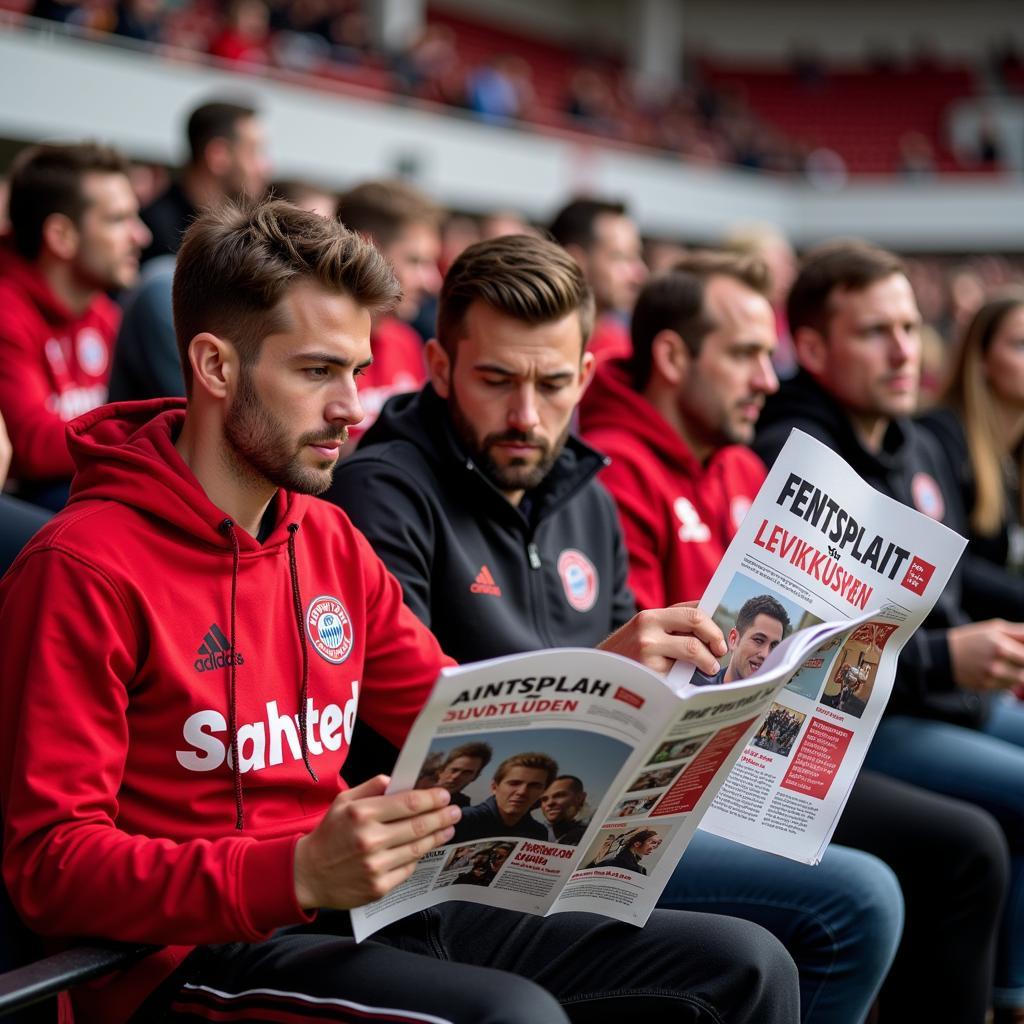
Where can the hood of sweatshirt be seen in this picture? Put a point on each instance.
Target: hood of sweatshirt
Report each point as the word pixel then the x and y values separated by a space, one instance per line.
pixel 125 453
pixel 25 278
pixel 611 408
pixel 802 402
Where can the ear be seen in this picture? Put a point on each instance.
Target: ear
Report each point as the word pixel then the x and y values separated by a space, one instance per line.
pixel 494 786
pixel 61 236
pixel 733 638
pixel 670 358
pixel 811 350
pixel 588 367
pixel 579 254
pixel 439 367
pixel 214 364
pixel 217 156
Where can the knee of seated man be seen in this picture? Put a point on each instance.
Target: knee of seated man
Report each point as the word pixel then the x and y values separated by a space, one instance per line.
pixel 739 959
pixel 868 903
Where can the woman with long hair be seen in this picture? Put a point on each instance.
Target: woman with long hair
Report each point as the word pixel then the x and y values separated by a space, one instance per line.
pixel 980 426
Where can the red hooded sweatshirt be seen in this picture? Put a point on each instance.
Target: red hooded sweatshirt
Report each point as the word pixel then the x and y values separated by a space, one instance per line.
pixel 140 626
pixel 398 366
pixel 54 366
pixel 678 514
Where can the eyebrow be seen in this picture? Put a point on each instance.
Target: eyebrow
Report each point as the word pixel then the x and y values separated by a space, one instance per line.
pixel 502 371
pixel 324 357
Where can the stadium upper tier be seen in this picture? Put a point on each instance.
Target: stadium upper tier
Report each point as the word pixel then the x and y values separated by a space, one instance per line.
pixel 780 119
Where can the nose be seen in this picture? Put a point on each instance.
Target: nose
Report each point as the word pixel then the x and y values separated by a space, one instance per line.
pixel 344 407
pixel 143 236
pixel 522 413
pixel 430 278
pixel 766 382
pixel 903 347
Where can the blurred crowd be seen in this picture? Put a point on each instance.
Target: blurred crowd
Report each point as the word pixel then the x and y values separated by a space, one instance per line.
pixel 704 121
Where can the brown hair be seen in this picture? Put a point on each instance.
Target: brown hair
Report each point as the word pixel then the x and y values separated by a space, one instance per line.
pixel 674 301
pixel 846 264
pixel 530 760
pixel 639 838
pixel 215 120
pixel 523 277
pixel 481 751
pixel 238 260
pixel 575 223
pixel 47 180
pixel 382 210
pixel 967 393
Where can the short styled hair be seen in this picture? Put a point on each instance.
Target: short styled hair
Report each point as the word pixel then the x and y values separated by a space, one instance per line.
pixel 48 179
pixel 845 264
pixel 674 301
pixel 528 760
pixel 574 223
pixel 481 751
pixel 238 260
pixel 763 604
pixel 575 782
pixel 523 277
pixel 639 838
pixel 216 120
pixel 382 210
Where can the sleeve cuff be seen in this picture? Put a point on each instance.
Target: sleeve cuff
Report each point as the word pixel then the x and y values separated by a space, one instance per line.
pixel 268 885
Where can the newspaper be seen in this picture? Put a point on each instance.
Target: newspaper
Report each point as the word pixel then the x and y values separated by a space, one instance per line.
pixel 826 546
pixel 772 748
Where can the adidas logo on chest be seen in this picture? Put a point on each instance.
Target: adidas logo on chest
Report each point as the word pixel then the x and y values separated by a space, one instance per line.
pixel 215 652
pixel 484 583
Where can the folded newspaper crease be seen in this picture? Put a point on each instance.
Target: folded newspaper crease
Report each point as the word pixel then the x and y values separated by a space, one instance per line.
pixel 766 757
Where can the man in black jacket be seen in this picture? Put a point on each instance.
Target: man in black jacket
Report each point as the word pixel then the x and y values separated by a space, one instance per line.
pixel 485 507
pixel 951 726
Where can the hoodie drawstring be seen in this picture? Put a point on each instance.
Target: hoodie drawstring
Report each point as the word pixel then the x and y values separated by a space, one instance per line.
pixel 228 527
pixel 293 566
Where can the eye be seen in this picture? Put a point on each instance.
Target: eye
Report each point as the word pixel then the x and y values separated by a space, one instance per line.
pixel 552 387
pixel 317 372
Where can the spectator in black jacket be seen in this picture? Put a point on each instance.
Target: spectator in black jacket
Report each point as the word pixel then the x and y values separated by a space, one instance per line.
pixel 227 160
pixel 856 330
pixel 486 509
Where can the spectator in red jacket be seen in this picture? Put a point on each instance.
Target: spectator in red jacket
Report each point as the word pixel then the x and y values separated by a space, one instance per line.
pixel 603 239
pixel 75 234
pixel 675 420
pixel 405 225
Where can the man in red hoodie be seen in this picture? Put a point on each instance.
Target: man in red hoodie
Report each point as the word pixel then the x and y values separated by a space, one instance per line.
pixel 75 234
pixel 404 224
pixel 603 239
pixel 185 645
pixel 676 418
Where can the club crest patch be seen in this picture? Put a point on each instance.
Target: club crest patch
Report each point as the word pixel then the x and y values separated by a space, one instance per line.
pixel 91 352
pixel 738 508
pixel 927 496
pixel 329 628
pixel 579 579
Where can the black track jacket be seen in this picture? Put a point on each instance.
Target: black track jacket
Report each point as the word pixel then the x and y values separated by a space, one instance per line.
pixel 486 579
pixel 911 470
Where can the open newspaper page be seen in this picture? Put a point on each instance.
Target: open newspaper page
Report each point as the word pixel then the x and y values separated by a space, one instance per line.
pixel 647 762
pixel 825 546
